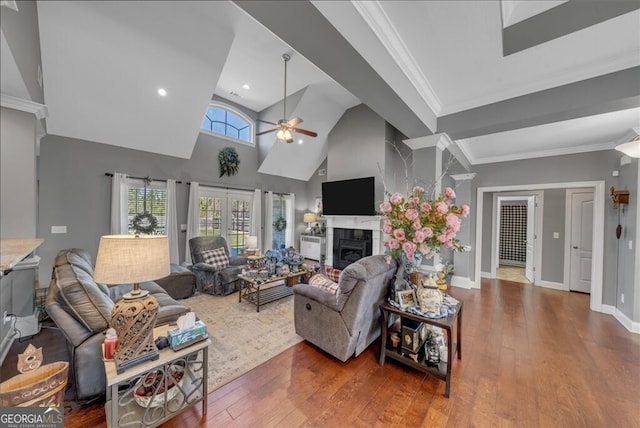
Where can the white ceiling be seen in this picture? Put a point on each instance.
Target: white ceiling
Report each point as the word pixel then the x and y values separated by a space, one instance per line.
pixel 103 61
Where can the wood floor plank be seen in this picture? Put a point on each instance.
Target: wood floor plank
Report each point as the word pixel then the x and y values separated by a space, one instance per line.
pixel 532 357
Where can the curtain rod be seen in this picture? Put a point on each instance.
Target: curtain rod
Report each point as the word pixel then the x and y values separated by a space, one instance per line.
pixel 277 193
pixel 109 174
pixel 244 189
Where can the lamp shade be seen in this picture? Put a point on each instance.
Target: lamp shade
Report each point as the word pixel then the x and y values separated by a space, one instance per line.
pixel 309 217
pixel 251 242
pixel 124 259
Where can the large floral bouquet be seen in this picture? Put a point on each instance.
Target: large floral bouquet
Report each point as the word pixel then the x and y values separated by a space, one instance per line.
pixel 416 224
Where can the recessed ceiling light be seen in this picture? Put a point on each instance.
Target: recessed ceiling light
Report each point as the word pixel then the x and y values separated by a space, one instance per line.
pixel 162 92
pixel 300 141
pixel 246 86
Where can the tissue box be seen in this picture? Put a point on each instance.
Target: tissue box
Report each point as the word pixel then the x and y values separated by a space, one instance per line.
pixel 179 339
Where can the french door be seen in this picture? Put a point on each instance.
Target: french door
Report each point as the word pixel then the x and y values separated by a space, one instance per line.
pixel 226 213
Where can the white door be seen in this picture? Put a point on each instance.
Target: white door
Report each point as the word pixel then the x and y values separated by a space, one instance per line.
pixel 228 214
pixel 581 241
pixel 530 244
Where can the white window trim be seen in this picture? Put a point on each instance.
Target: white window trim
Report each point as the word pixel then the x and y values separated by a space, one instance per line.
pixel 251 122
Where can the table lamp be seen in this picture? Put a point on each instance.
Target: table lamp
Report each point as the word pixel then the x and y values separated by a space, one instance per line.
pixel 309 218
pixel 124 259
pixel 252 244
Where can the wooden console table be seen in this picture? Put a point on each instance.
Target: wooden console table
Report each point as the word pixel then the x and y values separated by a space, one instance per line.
pixel 442 370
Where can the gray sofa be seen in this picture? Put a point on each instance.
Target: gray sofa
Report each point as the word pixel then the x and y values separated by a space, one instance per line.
pixel 81 308
pixel 345 323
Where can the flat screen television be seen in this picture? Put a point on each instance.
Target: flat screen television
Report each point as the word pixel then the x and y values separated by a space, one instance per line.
pixel 349 197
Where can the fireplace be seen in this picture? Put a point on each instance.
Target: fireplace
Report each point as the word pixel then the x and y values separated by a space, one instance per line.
pixel 350 245
pixel 370 225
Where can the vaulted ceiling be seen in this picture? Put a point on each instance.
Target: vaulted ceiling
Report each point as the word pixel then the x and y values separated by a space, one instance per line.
pixel 504 80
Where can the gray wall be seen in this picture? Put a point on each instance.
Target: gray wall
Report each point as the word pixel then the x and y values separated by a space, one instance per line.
pixel 592 166
pixel 75 192
pixel 23 37
pixel 18 197
pixel 628 180
pixel 552 263
pixel 357 147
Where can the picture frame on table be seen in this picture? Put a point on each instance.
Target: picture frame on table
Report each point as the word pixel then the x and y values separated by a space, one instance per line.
pixel 407 298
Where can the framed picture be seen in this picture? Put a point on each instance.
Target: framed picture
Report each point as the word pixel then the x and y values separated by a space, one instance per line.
pixel 407 298
pixel 318 206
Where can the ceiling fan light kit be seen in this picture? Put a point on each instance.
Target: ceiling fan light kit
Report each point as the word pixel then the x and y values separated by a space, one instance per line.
pixel 285 127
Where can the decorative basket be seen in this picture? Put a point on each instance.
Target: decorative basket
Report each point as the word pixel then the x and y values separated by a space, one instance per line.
pixel 35 386
pixel 158 399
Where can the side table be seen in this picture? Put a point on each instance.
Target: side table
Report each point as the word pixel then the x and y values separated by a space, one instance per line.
pixel 442 370
pixel 121 407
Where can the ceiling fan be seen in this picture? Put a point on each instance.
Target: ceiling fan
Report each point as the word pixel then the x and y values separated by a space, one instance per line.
pixel 284 127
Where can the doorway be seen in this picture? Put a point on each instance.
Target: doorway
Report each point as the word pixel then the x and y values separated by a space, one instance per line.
pixel 226 213
pixel 598 230
pixel 516 227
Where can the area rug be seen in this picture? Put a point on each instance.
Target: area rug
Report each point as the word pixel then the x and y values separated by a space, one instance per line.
pixel 242 338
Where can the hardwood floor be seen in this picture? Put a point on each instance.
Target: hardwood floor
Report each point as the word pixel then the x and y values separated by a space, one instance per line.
pixel 532 357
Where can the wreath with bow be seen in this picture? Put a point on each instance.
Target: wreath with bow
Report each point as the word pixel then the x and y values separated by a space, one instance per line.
pixel 280 224
pixel 145 222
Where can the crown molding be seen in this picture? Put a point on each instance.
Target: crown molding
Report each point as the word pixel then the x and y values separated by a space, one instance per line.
pixel 463 177
pixel 546 153
pixel 618 62
pixel 374 15
pixel 40 111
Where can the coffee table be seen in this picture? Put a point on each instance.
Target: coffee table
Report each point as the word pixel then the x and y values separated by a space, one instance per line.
pixel 261 291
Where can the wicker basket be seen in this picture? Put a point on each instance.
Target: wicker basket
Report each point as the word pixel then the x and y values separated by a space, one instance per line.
pixel 41 386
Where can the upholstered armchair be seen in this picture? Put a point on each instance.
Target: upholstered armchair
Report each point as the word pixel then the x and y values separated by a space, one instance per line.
pixel 343 318
pixel 216 271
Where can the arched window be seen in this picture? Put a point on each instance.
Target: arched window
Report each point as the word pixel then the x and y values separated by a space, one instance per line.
pixel 222 120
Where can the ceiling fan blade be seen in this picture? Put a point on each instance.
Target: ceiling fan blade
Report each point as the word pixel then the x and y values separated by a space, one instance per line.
pixel 266 132
pixel 293 122
pixel 305 132
pixel 266 121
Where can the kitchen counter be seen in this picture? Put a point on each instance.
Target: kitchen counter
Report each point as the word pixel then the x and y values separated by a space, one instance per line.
pixel 13 250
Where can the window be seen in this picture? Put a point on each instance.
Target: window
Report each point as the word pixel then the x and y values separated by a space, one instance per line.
pixel 230 123
pixel 152 199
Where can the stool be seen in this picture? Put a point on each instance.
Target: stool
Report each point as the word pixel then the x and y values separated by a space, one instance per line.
pixel 180 284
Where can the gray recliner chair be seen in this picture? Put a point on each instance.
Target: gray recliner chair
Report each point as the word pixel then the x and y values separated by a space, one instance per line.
pixel 348 321
pixel 211 279
pixel 81 308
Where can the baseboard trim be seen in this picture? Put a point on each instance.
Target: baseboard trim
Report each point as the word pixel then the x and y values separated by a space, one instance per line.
pixel 486 275
pixel 461 282
pixel 632 326
pixel 553 285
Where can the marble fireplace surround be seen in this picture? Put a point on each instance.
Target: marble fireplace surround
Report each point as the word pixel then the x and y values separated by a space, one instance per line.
pixel 373 223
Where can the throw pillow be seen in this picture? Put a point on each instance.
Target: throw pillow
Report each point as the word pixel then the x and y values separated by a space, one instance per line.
pixel 325 283
pixel 332 274
pixel 217 258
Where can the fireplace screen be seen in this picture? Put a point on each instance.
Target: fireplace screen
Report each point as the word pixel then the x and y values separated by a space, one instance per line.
pixel 350 245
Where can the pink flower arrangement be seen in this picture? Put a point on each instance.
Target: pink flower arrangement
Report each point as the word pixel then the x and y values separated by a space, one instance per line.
pixel 416 224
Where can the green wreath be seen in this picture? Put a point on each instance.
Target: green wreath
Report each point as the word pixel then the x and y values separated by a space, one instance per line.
pixel 229 161
pixel 280 224
pixel 145 223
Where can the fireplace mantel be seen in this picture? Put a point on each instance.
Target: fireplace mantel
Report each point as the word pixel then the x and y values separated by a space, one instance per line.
pixel 373 223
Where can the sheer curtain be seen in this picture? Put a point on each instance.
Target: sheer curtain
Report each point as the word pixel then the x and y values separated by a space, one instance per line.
pixel 119 222
pixel 193 218
pixel 256 216
pixel 172 222
pixel 268 220
pixel 290 232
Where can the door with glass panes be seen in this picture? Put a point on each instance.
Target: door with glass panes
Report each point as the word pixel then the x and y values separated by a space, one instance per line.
pixel 228 214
